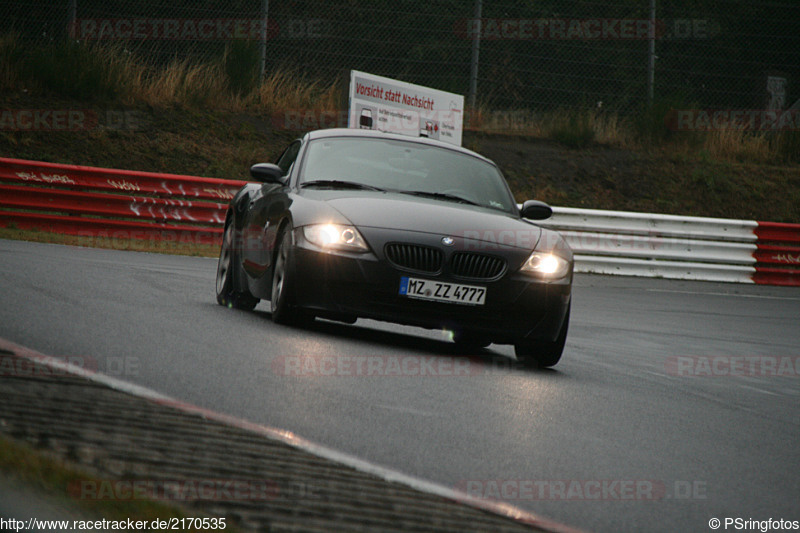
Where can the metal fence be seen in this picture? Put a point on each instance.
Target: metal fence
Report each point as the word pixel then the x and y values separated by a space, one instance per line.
pixel 547 54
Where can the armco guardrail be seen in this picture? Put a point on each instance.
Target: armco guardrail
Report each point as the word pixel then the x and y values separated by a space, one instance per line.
pixel 692 248
pixel 127 204
pixel 108 203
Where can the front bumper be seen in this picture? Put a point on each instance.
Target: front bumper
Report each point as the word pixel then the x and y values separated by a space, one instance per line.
pixel 517 307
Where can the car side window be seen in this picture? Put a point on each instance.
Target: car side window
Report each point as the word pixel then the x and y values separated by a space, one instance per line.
pixel 288 157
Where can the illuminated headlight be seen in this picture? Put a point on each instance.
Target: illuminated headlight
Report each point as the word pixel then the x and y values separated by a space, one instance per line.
pixel 335 236
pixel 546 265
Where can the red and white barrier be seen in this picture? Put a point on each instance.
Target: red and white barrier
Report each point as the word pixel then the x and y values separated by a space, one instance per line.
pixel 124 204
pixel 778 254
pixel 112 180
pixel 116 204
pixel 676 247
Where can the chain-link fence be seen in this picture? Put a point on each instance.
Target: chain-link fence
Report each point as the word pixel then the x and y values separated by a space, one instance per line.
pixel 547 54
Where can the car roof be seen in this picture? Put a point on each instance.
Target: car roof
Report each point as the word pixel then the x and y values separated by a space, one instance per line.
pixel 375 134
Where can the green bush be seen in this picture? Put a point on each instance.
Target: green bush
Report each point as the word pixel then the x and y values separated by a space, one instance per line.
pixel 788 145
pixel 78 70
pixel 242 65
pixel 10 56
pixel 573 130
pixel 656 123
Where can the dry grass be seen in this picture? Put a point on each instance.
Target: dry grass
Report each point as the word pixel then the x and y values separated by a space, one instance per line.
pixel 739 145
pixel 576 129
pixel 600 126
pixel 108 72
pixel 111 72
pixel 180 82
pixel 283 90
pixel 49 477
pixel 188 83
pixel 611 129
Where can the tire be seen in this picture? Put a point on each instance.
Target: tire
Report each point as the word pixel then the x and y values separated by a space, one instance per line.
pixel 283 283
pixel 227 295
pixel 543 354
pixel 470 341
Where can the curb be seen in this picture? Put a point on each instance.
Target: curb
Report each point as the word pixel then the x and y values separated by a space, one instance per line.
pixel 395 496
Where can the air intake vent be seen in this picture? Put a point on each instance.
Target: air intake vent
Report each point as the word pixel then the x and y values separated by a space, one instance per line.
pixel 414 257
pixel 477 266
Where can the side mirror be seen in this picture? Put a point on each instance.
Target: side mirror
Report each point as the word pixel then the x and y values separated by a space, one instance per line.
pixel 535 210
pixel 266 172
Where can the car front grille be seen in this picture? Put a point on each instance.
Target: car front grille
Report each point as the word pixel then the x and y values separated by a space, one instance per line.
pixel 415 257
pixel 477 266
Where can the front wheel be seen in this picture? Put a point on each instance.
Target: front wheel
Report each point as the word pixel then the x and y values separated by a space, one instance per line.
pixel 283 280
pixel 543 354
pixel 227 294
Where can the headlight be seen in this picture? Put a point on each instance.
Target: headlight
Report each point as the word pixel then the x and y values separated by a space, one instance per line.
pixel 335 236
pixel 546 265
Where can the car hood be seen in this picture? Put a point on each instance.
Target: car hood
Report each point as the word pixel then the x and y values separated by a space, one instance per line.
pixel 406 213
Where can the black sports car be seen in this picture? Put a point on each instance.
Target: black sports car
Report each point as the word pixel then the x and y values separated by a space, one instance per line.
pixel 354 223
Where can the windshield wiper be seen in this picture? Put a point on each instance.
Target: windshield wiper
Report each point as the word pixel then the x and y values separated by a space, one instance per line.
pixel 441 196
pixel 340 184
pixel 343 184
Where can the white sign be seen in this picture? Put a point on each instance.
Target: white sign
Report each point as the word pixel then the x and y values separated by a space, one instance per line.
pixel 776 89
pixel 378 103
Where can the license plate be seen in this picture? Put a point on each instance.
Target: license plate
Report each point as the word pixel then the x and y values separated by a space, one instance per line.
pixel 440 291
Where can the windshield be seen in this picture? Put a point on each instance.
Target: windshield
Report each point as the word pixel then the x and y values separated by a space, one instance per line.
pixel 406 167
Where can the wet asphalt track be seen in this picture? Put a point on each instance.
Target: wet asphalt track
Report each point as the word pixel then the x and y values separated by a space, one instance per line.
pixel 618 437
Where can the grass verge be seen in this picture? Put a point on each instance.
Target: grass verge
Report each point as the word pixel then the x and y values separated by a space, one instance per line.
pixel 53 478
pixel 133 245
